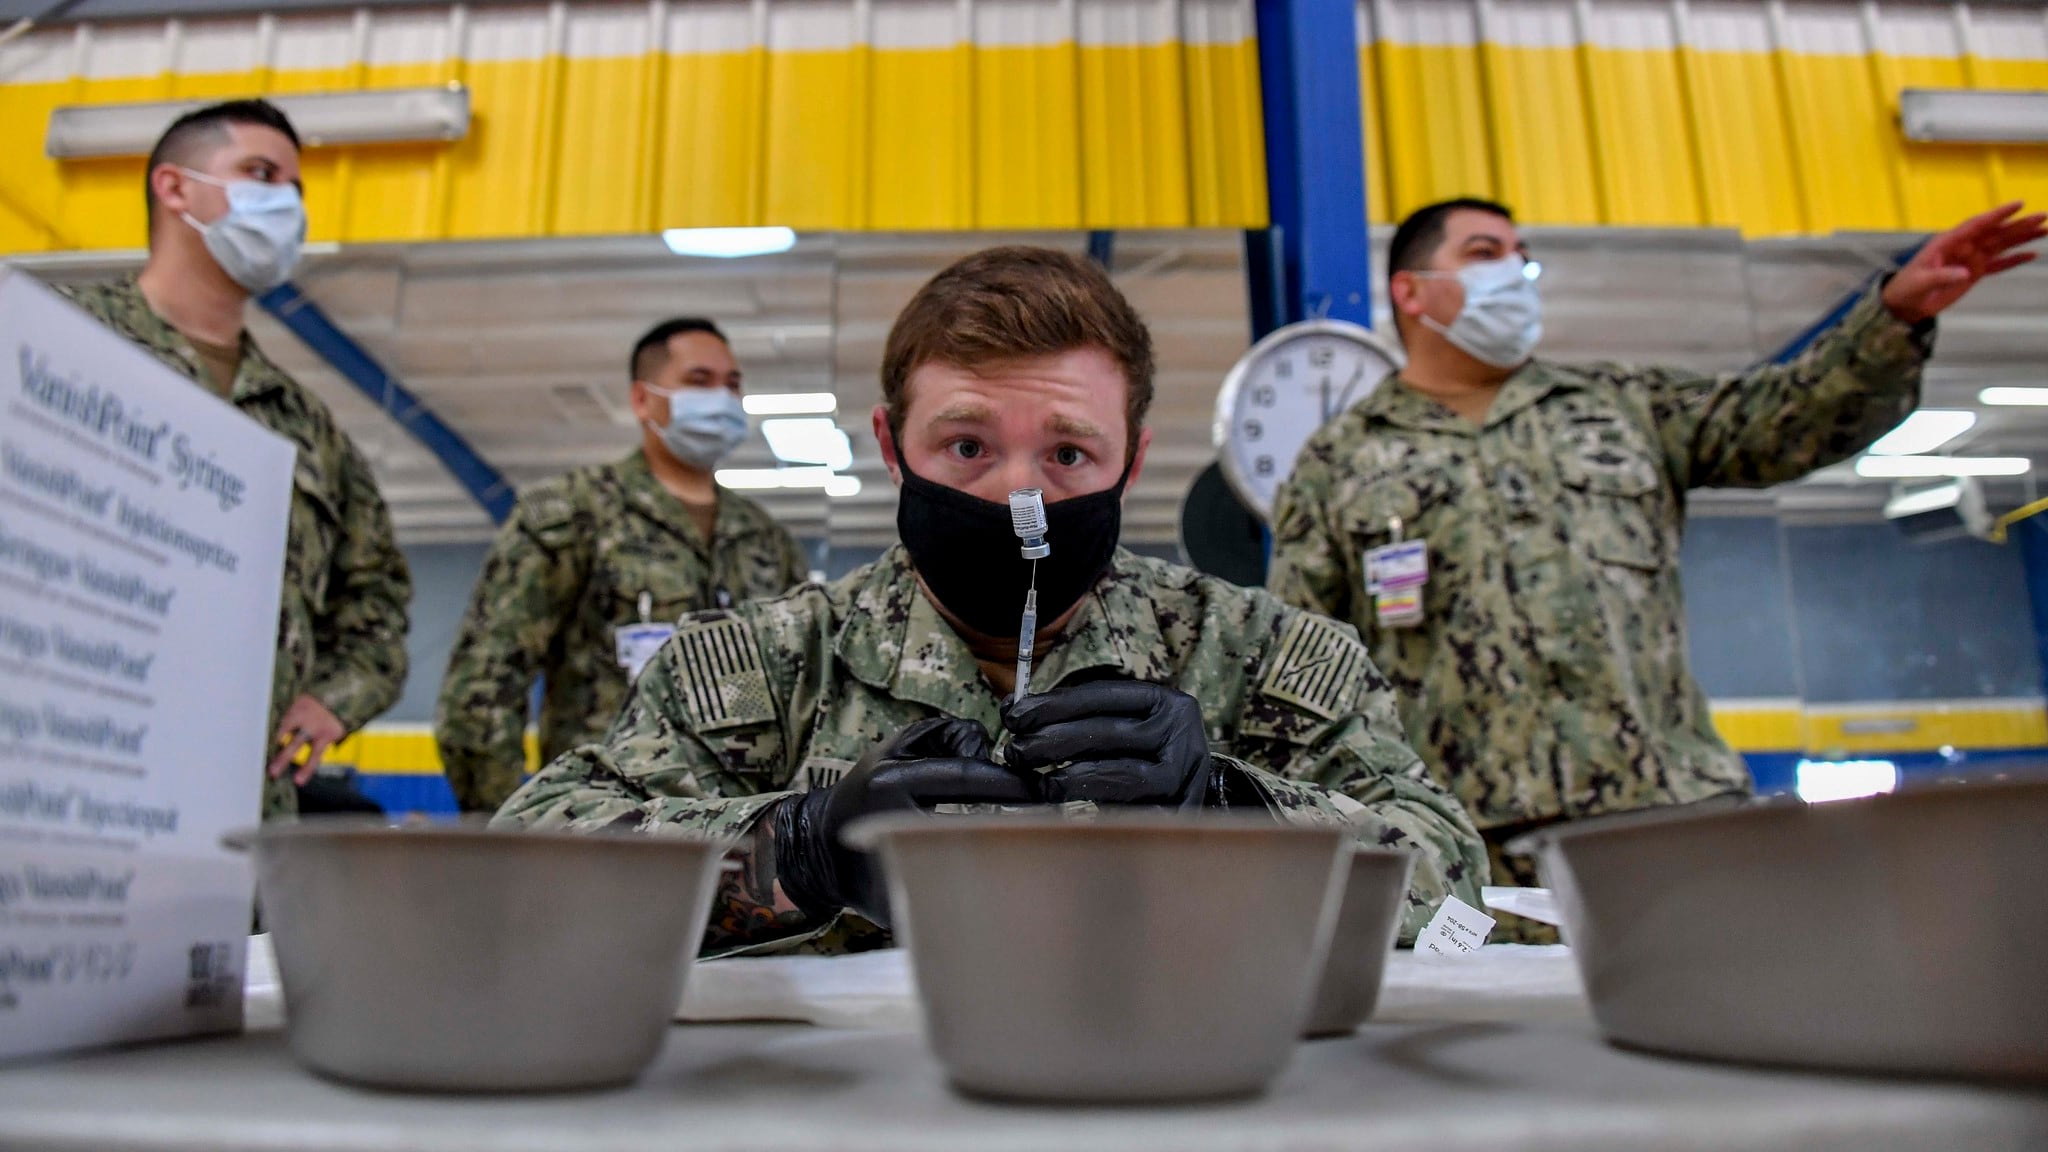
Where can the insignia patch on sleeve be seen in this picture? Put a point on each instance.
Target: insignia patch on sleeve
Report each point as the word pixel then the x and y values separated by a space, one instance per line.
pixel 721 681
pixel 1316 667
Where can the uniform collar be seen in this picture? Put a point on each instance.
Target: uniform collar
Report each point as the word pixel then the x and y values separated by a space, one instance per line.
pixel 893 639
pixel 255 375
pixel 645 495
pixel 1399 404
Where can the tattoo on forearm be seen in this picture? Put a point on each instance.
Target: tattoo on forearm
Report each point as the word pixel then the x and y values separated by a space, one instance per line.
pixel 745 909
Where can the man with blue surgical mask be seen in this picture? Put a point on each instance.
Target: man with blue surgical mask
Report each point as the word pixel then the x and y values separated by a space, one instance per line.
pixel 588 576
pixel 1503 531
pixel 227 221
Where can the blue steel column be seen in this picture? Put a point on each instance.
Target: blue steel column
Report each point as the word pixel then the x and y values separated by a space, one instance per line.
pixel 1320 261
pixel 310 323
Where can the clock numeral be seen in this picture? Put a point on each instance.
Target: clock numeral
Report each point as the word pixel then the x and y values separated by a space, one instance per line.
pixel 1265 396
pixel 1283 369
pixel 1254 429
pixel 1321 357
pixel 1263 466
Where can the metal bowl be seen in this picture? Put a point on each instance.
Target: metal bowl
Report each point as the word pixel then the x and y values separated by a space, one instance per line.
pixel 458 959
pixel 1131 957
pixel 1369 920
pixel 1895 934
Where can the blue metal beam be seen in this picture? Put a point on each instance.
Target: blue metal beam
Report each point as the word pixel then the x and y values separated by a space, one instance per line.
pixel 1320 263
pixel 297 311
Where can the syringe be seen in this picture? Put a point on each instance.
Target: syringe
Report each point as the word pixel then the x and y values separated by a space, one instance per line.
pixel 1027 519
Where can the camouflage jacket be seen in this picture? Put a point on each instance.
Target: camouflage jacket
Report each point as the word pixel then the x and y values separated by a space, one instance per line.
pixel 744 707
pixel 569 566
pixel 1548 675
pixel 341 628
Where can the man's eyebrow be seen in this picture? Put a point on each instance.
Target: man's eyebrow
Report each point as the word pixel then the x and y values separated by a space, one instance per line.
pixel 1079 429
pixel 965 413
pixel 1484 238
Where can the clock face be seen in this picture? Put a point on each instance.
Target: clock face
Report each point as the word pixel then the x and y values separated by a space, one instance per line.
pixel 1285 388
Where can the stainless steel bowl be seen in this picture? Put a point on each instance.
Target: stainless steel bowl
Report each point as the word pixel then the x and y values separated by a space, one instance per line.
pixel 1132 957
pixel 1369 920
pixel 1898 934
pixel 458 959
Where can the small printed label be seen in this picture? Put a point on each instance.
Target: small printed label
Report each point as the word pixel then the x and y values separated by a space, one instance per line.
pixel 1399 609
pixel 1457 930
pixel 637 644
pixel 1402 564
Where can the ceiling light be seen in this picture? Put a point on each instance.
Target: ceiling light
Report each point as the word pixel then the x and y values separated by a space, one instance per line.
pixel 1907 467
pixel 843 486
pixel 727 243
pixel 1924 431
pixel 1969 116
pixel 765 478
pixel 2014 396
pixel 1824 780
pixel 809 440
pixel 1924 500
pixel 377 116
pixel 789 403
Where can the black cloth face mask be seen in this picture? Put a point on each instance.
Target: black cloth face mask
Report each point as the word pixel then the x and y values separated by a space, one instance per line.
pixel 967 553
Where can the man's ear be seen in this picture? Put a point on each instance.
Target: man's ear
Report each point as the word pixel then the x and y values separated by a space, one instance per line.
pixel 886 441
pixel 1137 461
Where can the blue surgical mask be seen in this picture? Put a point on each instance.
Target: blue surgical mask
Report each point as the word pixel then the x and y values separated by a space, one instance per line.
pixel 1502 319
pixel 704 424
pixel 259 241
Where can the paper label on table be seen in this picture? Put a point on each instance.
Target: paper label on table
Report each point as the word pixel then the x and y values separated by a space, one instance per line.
pixel 142 537
pixel 1457 930
pixel 636 644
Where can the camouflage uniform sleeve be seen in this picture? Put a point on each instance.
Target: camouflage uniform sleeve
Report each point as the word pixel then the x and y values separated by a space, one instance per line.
pixel 1308 568
pixel 796 568
pixel 1320 741
pixel 359 660
pixel 1778 423
pixel 531 579
pixel 691 750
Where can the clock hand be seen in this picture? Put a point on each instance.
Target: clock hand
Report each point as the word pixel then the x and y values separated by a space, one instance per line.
pixel 1344 400
pixel 1326 398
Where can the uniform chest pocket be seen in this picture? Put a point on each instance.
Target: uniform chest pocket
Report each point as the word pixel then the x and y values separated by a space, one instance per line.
pixel 315 533
pixel 671 585
pixel 1616 496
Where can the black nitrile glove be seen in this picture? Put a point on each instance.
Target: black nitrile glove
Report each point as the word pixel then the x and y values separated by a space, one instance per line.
pixel 937 761
pixel 1116 741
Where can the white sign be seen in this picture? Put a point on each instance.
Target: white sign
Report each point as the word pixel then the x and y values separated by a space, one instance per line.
pixel 142 529
pixel 1455 932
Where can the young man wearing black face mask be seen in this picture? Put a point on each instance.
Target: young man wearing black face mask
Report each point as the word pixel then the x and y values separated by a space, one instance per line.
pixel 781 721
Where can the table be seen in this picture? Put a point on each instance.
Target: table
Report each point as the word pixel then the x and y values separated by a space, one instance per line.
pixel 1522 1069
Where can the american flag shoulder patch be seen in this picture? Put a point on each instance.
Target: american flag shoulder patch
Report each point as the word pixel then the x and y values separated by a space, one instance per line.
pixel 719 675
pixel 1316 667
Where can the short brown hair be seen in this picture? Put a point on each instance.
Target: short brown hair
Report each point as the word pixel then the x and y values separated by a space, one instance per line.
pixel 1008 304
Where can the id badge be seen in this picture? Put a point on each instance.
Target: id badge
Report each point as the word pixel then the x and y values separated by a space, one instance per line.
pixel 1398 566
pixel 1398 608
pixel 636 644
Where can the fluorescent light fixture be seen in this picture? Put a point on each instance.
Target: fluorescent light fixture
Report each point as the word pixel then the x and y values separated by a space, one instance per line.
pixel 809 440
pixel 323 119
pixel 1925 500
pixel 1970 116
pixel 727 243
pixel 2014 397
pixel 1924 431
pixel 843 486
pixel 789 403
pixel 1823 780
pixel 1910 467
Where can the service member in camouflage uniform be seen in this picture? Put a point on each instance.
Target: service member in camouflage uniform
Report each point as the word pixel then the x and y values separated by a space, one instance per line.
pixel 637 542
pixel 1546 678
pixel 780 720
pixel 225 221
